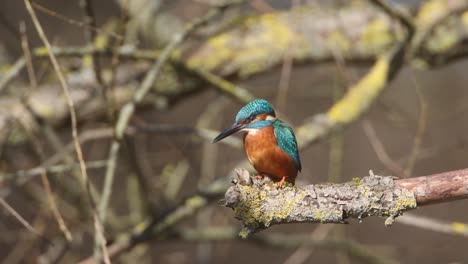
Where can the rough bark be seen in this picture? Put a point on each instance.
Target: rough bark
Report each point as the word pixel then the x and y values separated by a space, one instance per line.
pixel 438 188
pixel 260 204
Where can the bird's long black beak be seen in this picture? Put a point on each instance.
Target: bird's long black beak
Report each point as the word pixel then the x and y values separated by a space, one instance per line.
pixel 226 133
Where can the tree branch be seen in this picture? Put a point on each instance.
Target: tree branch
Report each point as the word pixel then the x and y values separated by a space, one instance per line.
pixel 437 188
pixel 128 109
pixel 260 204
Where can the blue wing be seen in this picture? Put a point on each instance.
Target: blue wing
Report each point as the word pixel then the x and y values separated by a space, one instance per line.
pixel 287 141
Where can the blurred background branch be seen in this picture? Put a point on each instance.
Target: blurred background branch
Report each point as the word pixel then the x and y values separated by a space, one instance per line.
pixel 159 78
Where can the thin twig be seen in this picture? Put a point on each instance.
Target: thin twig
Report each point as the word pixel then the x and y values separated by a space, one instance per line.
pixel 209 159
pixel 115 61
pixel 285 80
pixel 159 223
pixel 380 151
pixel 365 92
pixel 35 142
pixel 23 221
pixel 336 157
pixel 397 14
pixel 452 228
pixel 422 124
pixel 90 24
pixel 236 92
pixel 336 153
pixel 73 117
pixel 12 73
pixel 127 110
pixel 54 208
pixel 72 21
pixel 22 176
pixel 27 56
pixel 17 175
pixel 25 243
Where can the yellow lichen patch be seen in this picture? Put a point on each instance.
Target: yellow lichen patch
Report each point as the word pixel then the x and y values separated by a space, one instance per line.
pixel 402 203
pixel 87 61
pixel 142 226
pixel 5 68
pixel 195 201
pixel 365 190
pixel 288 206
pixel 360 95
pixel 318 215
pixel 446 39
pixel 258 43
pixel 244 233
pixel 376 36
pixel 250 208
pixel 44 110
pixel 41 51
pixel 272 33
pixel 357 182
pixel 459 227
pixel 100 41
pixel 430 11
pixel 219 52
pixel 326 215
pixel 280 214
pixel 464 18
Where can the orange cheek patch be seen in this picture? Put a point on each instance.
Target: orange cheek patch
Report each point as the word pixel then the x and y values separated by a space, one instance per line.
pixel 261 117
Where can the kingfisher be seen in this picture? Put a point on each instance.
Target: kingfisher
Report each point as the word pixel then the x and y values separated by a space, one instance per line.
pixel 269 143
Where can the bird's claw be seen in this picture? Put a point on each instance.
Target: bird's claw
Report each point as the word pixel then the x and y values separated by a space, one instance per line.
pixel 280 183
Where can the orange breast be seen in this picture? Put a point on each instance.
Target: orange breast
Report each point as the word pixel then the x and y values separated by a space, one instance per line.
pixel 267 157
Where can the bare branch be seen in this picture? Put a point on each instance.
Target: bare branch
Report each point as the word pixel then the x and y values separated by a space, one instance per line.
pixel 73 117
pixel 437 188
pixel 259 204
pixel 128 109
pixel 452 228
pixel 20 219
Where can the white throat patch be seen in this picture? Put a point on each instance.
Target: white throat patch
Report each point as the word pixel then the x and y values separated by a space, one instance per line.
pixel 250 131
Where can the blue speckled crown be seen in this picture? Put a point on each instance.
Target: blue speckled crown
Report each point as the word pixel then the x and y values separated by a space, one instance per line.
pixel 254 108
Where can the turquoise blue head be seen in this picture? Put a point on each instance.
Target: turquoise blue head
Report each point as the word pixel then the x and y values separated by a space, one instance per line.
pixel 246 117
pixel 254 109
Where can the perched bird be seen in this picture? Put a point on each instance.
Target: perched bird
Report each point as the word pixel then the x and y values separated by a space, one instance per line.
pixel 270 144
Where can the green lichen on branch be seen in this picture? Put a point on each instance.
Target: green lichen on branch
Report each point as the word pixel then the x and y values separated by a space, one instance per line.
pixel 260 203
pixel 356 31
pixel 258 43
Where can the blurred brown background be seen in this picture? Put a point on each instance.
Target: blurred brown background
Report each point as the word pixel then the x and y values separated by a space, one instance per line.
pixel 158 170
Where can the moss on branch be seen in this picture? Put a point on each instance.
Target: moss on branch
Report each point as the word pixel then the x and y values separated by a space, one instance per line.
pixel 260 203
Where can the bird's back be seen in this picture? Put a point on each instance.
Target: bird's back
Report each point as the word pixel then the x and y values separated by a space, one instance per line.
pixel 287 141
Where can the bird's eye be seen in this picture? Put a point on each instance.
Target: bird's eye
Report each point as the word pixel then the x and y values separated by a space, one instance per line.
pixel 249 119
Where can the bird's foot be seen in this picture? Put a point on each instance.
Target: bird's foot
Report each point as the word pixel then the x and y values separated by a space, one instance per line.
pixel 259 177
pixel 280 183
